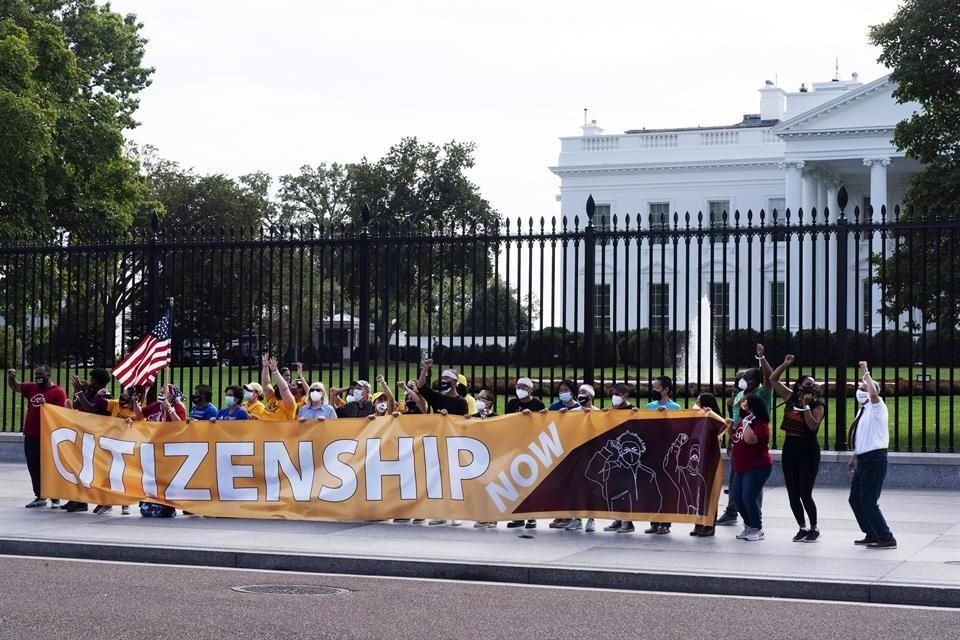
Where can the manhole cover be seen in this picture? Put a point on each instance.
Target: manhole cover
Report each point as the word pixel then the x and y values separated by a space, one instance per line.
pixel 290 589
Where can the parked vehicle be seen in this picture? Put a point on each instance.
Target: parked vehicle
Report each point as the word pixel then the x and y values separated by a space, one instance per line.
pixel 199 351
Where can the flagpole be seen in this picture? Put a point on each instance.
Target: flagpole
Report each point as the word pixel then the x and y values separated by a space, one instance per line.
pixel 162 376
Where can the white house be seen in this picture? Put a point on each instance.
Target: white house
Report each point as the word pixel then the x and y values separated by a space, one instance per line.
pixel 795 153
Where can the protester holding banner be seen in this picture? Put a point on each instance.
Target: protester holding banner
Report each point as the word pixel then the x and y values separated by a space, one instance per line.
pixel 524 402
pixel 232 405
pixel 660 400
pixel 566 398
pixel 486 405
pixel 413 403
pixel 168 407
pixel 384 403
pixel 359 403
pixel 448 400
pixel 281 404
pixel 800 459
pixel 253 400
pixel 753 464
pixel 620 399
pixel 127 406
pixel 317 407
pixel 463 389
pixel 201 403
pixel 90 396
pixel 708 402
pixel 37 393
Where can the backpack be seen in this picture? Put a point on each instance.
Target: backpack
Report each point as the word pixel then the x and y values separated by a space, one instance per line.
pixel 154 510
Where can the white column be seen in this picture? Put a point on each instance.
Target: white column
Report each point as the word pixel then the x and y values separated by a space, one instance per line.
pixel 794 185
pixel 810 179
pixel 878 183
pixel 821 196
pixel 832 187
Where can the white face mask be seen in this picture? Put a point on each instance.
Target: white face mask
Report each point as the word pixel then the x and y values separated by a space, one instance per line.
pixel 523 394
pixel 862 396
pixel 316 396
pixel 247 396
pixel 742 385
pixel 616 400
pixel 481 406
pixel 357 395
pixel 381 407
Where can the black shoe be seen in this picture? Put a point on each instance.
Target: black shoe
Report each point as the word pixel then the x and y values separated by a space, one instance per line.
pixel 652 529
pixel 801 535
pixel 73 507
pixel 531 524
pixel 514 524
pixel 865 541
pixel 813 536
pixel 696 530
pixel 708 532
pixel 883 544
pixel 727 519
pixel 663 529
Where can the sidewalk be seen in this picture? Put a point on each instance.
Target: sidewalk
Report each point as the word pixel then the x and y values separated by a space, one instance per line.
pixel 925 569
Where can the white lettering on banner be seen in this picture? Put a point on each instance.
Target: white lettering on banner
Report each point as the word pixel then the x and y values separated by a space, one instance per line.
pixel 375 468
pixel 86 450
pixel 477 466
pixel 117 449
pixel 339 470
pixel 276 458
pixel 148 465
pixel 194 452
pixel 63 434
pixel 506 489
pixel 431 459
pixel 227 472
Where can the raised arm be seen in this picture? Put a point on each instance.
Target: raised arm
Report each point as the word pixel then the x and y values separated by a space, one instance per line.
pixel 781 389
pixel 871 385
pixel 301 376
pixel 417 398
pixel 265 374
pixel 765 367
pixel 424 369
pixel 79 397
pixel 285 392
pixel 12 381
pixel 391 401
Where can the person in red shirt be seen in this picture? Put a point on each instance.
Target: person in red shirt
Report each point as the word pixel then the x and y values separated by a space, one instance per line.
pixel 39 392
pixel 169 406
pixel 752 463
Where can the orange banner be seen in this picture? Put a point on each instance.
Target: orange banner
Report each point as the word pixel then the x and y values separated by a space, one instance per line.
pixel 638 465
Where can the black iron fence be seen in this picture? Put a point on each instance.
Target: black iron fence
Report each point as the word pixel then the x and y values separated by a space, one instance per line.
pixel 599 299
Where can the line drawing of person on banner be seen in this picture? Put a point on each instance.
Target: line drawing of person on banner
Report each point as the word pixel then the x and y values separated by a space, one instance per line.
pixel 623 478
pixel 690 484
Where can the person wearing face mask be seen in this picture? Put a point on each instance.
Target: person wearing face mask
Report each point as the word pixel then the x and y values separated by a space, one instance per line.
pixel 413 404
pixel 707 402
pixel 486 405
pixel 800 459
pixel 384 403
pixel 167 408
pixel 620 399
pixel 585 395
pixel 127 406
pixel 201 403
pixel 660 400
pixel 748 382
pixel 90 396
pixel 37 393
pixel 281 404
pixel 869 438
pixel 566 399
pixel 253 400
pixel 358 403
pixel 317 407
pixel 232 405
pixel 525 401
pixel 447 400
pixel 751 459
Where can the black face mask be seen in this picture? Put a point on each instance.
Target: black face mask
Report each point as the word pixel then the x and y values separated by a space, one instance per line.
pixel 654 396
pixel 195 399
pixel 445 387
pixel 808 390
pixel 583 399
pixel 41 380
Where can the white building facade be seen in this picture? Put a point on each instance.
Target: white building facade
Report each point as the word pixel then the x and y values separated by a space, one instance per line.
pixel 794 154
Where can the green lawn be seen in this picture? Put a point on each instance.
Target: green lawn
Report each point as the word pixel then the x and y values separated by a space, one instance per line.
pixel 907 415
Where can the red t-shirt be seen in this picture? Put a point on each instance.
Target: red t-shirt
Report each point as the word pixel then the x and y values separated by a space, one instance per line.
pixel 154 412
pixel 33 393
pixel 747 457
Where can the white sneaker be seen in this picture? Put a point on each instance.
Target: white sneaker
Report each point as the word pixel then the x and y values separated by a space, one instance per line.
pixel 754 535
pixel 743 534
pixel 575 525
pixel 455 523
pixel 590 527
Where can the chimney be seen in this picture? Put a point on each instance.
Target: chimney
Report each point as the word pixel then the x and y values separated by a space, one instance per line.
pixel 591 129
pixel 773 102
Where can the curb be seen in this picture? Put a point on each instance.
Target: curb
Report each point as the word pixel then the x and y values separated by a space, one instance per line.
pixel 872 592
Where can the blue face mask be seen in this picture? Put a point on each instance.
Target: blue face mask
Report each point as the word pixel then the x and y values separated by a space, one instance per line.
pixel 565 396
pixel 229 401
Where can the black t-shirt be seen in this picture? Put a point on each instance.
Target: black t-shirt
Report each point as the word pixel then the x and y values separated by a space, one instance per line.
pixel 456 405
pixel 515 406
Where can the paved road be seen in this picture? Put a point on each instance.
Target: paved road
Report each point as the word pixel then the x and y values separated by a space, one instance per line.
pixel 52 599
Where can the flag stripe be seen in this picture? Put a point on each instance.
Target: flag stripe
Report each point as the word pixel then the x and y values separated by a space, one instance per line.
pixel 151 355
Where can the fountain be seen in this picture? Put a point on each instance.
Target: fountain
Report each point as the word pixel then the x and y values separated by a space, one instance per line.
pixel 704 367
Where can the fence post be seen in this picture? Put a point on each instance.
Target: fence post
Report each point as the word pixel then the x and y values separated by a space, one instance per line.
pixel 843 234
pixel 589 276
pixel 362 251
pixel 153 295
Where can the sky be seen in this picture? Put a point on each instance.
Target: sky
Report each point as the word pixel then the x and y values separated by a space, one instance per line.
pixel 243 86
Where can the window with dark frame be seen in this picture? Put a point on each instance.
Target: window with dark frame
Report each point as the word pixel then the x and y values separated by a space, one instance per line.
pixel 778 305
pixel 659 306
pixel 719 212
pixel 720 305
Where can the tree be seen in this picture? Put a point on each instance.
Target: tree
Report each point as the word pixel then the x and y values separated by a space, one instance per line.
pixel 494 312
pixel 70 73
pixel 920 44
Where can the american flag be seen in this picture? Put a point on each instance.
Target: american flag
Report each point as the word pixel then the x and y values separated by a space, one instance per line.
pixel 150 356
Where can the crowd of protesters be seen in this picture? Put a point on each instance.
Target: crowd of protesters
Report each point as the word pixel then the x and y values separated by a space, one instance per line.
pixel 279 396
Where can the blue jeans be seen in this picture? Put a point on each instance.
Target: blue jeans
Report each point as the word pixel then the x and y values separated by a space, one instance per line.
pixel 746 491
pixel 865 490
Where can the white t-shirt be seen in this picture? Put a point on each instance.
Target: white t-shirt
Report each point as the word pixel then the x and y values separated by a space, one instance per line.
pixel 872 430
